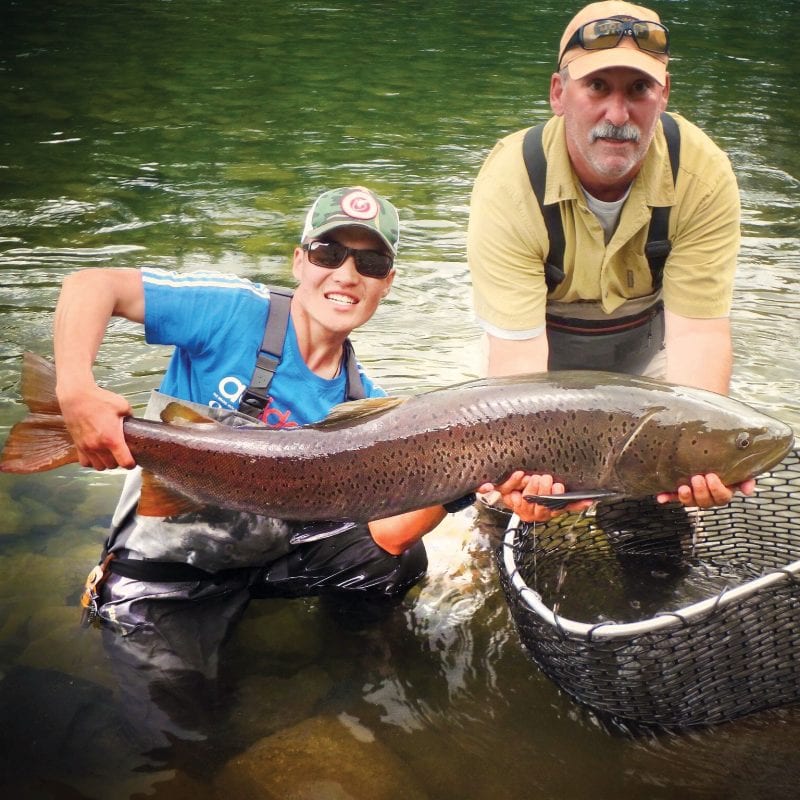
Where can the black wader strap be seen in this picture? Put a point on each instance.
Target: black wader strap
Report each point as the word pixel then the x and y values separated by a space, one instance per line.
pixel 354 386
pixel 255 397
pixel 536 164
pixel 165 571
pixel 658 245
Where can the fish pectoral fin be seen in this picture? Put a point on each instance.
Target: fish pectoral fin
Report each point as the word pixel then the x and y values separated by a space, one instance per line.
pixel 179 414
pixel 559 501
pixel 159 500
pixel 358 411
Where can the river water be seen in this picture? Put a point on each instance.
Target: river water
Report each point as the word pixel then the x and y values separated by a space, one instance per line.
pixel 193 135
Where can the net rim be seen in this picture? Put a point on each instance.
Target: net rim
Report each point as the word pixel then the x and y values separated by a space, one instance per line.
pixel 663 621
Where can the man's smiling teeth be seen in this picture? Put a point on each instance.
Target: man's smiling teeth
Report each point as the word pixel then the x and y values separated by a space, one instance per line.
pixel 341 298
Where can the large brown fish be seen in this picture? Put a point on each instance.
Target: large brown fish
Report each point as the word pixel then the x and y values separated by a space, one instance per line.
pixel 598 433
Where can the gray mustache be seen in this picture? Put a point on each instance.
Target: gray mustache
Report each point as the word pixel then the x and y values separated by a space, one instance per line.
pixel 625 133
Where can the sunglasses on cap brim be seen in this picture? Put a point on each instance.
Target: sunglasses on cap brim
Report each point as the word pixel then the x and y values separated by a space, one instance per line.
pixel 605 34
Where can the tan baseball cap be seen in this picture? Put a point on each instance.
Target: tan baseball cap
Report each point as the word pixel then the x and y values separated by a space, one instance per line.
pixel 626 53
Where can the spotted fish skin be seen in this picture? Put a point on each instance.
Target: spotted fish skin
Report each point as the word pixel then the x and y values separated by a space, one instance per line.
pixel 372 459
pixel 590 430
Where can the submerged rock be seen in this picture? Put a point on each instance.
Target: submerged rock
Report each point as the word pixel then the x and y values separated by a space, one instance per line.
pixel 55 725
pixel 319 759
pixel 57 642
pixel 265 704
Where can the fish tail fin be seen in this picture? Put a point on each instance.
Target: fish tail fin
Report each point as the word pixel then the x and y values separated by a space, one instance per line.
pixel 39 384
pixel 40 441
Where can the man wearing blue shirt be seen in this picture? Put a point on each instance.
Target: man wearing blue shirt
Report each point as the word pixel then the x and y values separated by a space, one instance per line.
pixel 169 590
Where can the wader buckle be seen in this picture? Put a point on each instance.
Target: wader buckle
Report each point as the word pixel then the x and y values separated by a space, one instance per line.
pixel 94 580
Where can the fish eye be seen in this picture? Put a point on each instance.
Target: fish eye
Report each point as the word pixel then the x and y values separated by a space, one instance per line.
pixel 743 440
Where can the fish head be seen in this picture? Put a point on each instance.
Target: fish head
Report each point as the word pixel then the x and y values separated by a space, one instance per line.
pixel 700 433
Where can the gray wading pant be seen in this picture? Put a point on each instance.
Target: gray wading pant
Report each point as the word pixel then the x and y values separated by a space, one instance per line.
pixel 630 340
pixel 164 638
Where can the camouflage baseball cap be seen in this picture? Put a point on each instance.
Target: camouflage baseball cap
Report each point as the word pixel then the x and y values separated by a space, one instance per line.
pixel 353 206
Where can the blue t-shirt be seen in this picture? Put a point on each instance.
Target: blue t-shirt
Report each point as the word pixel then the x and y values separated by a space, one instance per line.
pixel 216 323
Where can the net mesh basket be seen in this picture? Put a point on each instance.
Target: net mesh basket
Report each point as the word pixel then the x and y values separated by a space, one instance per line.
pixel 663 616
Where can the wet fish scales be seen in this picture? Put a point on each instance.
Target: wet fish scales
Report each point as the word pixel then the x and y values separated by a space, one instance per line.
pixel 438 446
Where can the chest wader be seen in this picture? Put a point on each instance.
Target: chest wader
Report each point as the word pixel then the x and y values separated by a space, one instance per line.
pixel 332 559
pixel 253 400
pixel 617 344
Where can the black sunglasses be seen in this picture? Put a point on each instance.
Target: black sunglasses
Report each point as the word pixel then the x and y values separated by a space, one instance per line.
pixel 603 34
pixel 371 263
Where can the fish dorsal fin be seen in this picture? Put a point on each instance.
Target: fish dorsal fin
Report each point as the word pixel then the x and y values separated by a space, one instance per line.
pixel 159 500
pixel 358 410
pixel 179 414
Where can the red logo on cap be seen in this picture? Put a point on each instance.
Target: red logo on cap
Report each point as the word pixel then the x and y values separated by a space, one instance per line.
pixel 360 205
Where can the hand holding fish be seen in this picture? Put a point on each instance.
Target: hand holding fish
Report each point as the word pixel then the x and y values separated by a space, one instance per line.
pixel 518 490
pixel 94 418
pixel 707 491
pixel 519 485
